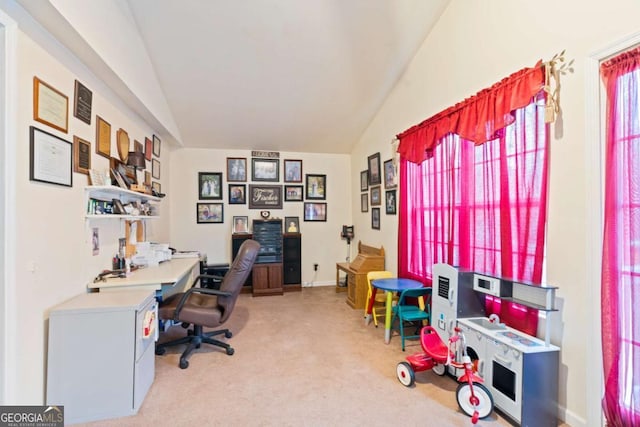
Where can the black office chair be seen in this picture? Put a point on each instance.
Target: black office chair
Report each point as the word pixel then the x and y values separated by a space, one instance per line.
pixel 202 307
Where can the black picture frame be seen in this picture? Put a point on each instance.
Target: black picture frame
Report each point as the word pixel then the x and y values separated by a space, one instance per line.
pixel 156 187
pixel 292 170
pixel 236 169
pixel 265 196
pixel 390 202
pixel 267 170
pixel 364 180
pixel 81 155
pixel 237 194
pixel 293 193
pixel 210 185
pixel 156 145
pixel 390 175
pixel 376 196
pixel 155 168
pixel 375 218
pixel 315 211
pixel 375 177
pixel 316 186
pixel 240 225
pixel 364 202
pixel 82 103
pixel 210 213
pixel 291 224
pixel 50 158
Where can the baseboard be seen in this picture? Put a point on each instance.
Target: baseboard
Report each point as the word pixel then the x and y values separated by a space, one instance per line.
pixel 315 284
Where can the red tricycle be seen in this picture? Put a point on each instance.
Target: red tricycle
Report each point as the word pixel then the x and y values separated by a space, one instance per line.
pixel 474 399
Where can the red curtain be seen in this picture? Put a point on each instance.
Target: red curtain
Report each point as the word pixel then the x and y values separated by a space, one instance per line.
pixel 620 288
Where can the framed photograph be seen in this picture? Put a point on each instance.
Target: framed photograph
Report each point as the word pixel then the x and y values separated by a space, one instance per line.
pixel 292 224
pixel 156 146
pixel 293 193
pixel 50 158
pixel 155 168
pixel 375 218
pixel 364 202
pixel 147 178
pixel 156 187
pixel 314 211
pixel 265 169
pixel 103 137
pixel 210 213
pixel 81 155
pixel 374 169
pixel 148 148
pixel 241 224
pixel 292 170
pixel 82 103
pixel 118 208
pixel 390 180
pixel 210 185
pixel 390 202
pixel 376 196
pixel 50 106
pixel 119 179
pixel 237 194
pixel 316 187
pixel 364 180
pixel 236 169
pixel 265 197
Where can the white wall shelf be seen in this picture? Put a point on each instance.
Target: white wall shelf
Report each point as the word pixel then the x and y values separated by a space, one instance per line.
pixel 109 192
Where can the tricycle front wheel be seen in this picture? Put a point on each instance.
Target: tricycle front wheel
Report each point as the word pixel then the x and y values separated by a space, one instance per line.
pixel 477 405
pixel 405 374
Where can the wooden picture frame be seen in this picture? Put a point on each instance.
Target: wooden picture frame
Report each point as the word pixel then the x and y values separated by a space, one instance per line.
pixel 123 144
pixel 390 175
pixel 50 158
pixel 210 185
pixel 265 169
pixel 364 180
pixel 376 196
pixel 291 224
pixel 375 177
pixel 375 218
pixel 293 193
pixel 50 106
pixel 265 196
pixel 240 225
pixel 236 169
pixel 81 155
pixel 156 187
pixel 364 202
pixel 156 145
pixel 155 168
pixel 210 213
pixel 390 202
pixel 316 186
pixel 315 211
pixel 148 148
pixel 103 137
pixel 237 194
pixel 292 170
pixel 82 102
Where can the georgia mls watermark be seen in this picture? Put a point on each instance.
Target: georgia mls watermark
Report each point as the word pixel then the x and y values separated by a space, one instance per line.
pixel 32 416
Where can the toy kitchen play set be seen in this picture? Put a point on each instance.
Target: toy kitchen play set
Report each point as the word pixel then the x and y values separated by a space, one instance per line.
pixel 520 370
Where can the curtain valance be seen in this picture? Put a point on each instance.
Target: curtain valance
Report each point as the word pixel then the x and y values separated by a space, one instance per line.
pixel 477 118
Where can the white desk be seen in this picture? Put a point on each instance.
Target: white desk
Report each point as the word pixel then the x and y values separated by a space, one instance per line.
pixel 166 279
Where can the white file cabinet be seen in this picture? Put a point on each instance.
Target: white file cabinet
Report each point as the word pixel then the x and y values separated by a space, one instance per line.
pixel 101 359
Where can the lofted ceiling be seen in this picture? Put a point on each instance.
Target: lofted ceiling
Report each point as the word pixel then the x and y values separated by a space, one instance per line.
pixel 284 75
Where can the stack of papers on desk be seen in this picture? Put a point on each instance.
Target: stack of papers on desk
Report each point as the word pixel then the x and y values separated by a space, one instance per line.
pixel 186 254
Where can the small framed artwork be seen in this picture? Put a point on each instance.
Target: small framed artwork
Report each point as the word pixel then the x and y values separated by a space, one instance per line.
pixel 374 169
pixel 292 170
pixel 237 194
pixel 364 180
pixel 390 202
pixel 155 168
pixel 81 155
pixel 241 224
pixel 137 146
pixel 292 224
pixel 156 146
pixel 376 196
pixel 147 178
pixel 293 193
pixel 316 187
pixel 265 170
pixel 51 158
pixel 50 106
pixel 210 185
pixel 265 197
pixel 82 103
pixel 236 169
pixel 156 187
pixel 148 148
pixel 375 218
pixel 314 211
pixel 103 137
pixel 390 175
pixel 210 213
pixel 364 202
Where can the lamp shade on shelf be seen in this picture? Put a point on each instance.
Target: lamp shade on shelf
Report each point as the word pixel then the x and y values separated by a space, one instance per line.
pixel 136 159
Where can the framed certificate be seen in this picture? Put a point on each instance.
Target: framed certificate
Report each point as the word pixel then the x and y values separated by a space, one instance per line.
pixel 50 158
pixel 103 137
pixel 81 155
pixel 82 103
pixel 50 106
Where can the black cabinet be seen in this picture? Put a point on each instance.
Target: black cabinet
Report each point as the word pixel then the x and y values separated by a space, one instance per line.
pixel 292 261
pixel 268 233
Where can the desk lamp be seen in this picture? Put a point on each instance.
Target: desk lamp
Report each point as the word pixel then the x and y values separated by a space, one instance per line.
pixel 136 160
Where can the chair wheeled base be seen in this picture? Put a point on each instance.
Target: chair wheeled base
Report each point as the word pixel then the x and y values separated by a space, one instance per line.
pixel 194 339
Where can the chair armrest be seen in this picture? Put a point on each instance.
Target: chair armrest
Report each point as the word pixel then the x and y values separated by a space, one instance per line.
pixel 186 295
pixel 205 276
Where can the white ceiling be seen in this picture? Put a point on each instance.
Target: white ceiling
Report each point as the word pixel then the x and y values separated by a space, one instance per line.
pixel 282 75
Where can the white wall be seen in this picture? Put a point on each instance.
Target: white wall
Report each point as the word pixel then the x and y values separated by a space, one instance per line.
pixel 321 242
pixel 475 44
